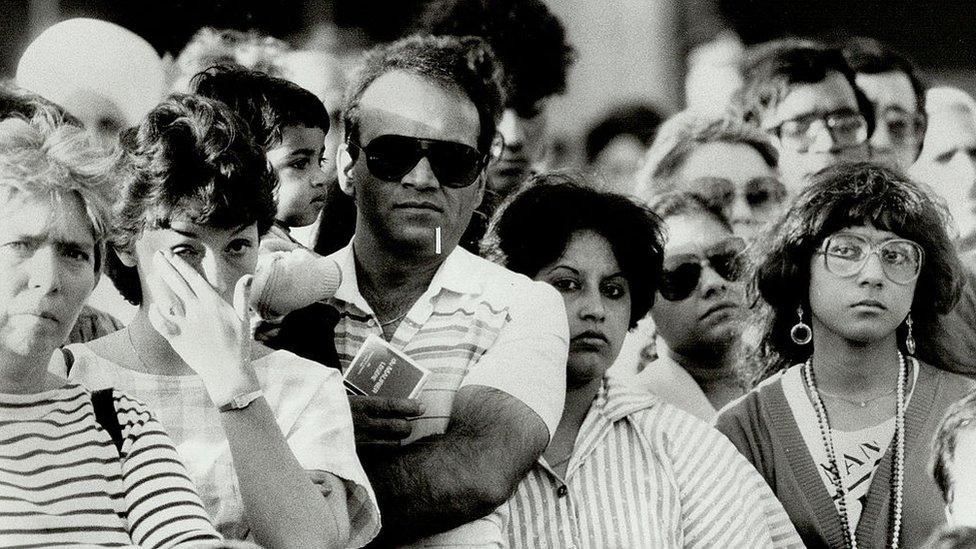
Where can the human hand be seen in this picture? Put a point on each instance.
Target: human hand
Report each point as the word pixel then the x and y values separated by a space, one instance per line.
pixel 210 335
pixel 383 419
pixel 321 480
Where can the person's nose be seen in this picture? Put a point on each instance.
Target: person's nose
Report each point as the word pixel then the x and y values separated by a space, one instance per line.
pixel 739 210
pixel 711 283
pixel 872 272
pixel 319 176
pixel 214 269
pixel 591 306
pixel 421 176
pixel 511 130
pixel 45 270
pixel 822 141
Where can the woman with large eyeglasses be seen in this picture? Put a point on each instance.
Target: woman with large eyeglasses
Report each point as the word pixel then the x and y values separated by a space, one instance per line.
pixel 673 480
pixel 852 283
pixel 698 308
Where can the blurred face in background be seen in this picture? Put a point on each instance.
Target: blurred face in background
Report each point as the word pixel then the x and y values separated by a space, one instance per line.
pixel 524 148
pixel 899 126
pixel 816 125
pixel 618 162
pixel 736 179
pixel 948 162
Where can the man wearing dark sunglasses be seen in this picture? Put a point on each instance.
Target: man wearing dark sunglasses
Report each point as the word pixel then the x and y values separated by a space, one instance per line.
pixel 893 85
pixel 420 120
pixel 803 95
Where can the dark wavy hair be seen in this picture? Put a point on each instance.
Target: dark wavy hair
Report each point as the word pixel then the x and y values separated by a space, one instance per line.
pixel 464 64
pixel 533 228
pixel 267 104
pixel 841 196
pixel 528 39
pixel 769 72
pixel 191 156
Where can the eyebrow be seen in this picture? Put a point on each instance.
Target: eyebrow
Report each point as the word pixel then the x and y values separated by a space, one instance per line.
pixel 191 234
pixel 302 152
pixel 567 267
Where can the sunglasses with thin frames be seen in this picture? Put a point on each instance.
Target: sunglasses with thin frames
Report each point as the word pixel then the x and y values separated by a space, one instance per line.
pixel 845 255
pixel 760 192
pixel 391 157
pixel 682 272
pixel 847 128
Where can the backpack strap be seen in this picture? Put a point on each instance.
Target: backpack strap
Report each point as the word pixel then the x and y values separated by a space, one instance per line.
pixel 106 416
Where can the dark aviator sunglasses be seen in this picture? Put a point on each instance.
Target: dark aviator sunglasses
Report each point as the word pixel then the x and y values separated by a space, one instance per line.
pixel 682 272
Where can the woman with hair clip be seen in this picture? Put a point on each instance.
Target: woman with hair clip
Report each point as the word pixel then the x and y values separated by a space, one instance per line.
pixel 852 283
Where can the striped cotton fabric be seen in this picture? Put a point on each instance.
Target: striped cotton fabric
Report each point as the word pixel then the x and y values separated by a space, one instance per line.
pixel 477 324
pixel 63 482
pixel 645 474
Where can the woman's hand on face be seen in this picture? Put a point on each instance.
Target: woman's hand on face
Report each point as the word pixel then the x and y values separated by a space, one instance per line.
pixel 210 335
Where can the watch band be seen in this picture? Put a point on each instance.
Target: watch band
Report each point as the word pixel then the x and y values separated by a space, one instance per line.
pixel 240 402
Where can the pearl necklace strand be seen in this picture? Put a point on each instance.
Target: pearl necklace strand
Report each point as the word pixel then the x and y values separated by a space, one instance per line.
pixel 897 479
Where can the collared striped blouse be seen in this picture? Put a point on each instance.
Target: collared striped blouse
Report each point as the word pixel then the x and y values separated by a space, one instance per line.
pixel 63 482
pixel 645 474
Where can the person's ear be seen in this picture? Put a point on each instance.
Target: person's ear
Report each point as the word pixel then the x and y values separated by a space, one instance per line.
pixel 344 169
pixel 128 258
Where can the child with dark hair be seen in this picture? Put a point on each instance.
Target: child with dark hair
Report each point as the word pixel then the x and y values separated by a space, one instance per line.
pixel 956 478
pixel 290 124
pixel 616 446
pixel 851 284
pixel 267 436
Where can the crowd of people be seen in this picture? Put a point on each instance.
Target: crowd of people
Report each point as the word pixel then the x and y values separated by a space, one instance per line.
pixel 751 329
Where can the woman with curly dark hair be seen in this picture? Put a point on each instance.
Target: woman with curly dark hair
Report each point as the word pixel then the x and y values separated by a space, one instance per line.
pixel 851 284
pixel 616 446
pixel 266 436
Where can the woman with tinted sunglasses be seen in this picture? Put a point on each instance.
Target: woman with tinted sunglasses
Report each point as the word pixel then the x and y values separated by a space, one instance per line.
pixel 852 283
pixel 618 447
pixel 698 308
pixel 730 164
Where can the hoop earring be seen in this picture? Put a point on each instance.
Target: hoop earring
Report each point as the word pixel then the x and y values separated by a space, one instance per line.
pixel 909 340
pixel 800 333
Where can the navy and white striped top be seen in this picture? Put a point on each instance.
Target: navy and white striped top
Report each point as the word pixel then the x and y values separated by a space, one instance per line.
pixel 63 482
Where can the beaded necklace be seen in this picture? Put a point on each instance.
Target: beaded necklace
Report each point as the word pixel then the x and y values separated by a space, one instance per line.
pixel 897 479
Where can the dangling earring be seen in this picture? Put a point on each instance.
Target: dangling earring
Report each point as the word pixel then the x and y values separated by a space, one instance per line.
pixel 909 340
pixel 801 334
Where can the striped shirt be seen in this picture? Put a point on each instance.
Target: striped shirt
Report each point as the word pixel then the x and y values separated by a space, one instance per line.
pixel 63 482
pixel 309 405
pixel 476 324
pixel 645 474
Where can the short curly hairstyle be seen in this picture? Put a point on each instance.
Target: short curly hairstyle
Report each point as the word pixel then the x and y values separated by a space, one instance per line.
pixel 960 416
pixel 528 39
pixel 463 64
pixel 43 153
pixel 840 196
pixel 534 227
pixel 770 70
pixel 191 156
pixel 267 104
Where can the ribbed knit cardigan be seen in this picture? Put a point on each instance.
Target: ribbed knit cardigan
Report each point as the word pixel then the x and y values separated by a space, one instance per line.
pixel 761 425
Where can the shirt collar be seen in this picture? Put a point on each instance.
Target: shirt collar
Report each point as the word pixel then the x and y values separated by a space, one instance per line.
pixel 461 272
pixel 619 397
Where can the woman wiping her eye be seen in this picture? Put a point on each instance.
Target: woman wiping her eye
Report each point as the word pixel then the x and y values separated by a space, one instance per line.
pixel 267 436
pixel 852 282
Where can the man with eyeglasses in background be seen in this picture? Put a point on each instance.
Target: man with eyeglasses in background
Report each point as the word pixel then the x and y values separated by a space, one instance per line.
pixel 420 119
pixel 804 96
pixel 893 85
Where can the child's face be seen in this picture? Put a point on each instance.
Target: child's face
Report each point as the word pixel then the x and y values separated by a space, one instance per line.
pixel 301 187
